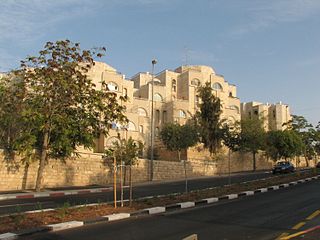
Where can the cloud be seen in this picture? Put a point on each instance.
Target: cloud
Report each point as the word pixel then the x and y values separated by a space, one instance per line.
pixel 266 14
pixel 27 20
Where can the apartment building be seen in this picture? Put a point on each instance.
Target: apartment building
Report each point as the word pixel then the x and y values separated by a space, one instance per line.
pixel 175 98
pixel 274 115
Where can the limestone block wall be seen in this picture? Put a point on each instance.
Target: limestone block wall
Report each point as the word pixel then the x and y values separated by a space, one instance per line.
pixel 92 169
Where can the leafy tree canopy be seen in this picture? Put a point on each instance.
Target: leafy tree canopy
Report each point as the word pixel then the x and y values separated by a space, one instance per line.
pixel 284 144
pixel 178 137
pixel 60 105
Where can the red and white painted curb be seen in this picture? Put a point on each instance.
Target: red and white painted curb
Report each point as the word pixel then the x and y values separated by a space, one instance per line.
pixel 53 193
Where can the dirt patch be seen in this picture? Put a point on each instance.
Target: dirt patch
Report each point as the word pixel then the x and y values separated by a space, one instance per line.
pixel 67 213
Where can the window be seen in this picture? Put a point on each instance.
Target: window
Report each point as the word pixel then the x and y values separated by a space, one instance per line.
pixel 156 132
pixel 142 112
pixel 174 85
pixel 230 94
pixel 182 114
pixel 112 86
pixel 217 86
pixel 157 97
pixel 164 116
pixel 125 92
pixel 255 112
pixel 131 126
pixel 233 107
pixel 111 141
pixel 140 129
pixel 197 99
pixel 195 82
pixel 274 114
pixel 157 116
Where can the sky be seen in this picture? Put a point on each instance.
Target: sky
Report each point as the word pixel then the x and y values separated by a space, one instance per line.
pixel 270 49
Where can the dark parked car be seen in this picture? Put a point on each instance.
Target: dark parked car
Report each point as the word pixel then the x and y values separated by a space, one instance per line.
pixel 283 167
pixel 318 165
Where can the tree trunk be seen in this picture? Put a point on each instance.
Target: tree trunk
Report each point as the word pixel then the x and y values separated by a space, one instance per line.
pixel 25 176
pixel 130 182
pixel 307 161
pixel 125 175
pixel 254 161
pixel 42 162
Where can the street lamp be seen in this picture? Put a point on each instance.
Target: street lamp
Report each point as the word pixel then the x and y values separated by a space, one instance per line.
pixel 154 62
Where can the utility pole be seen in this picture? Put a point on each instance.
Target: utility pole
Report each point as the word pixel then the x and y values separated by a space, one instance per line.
pixel 154 62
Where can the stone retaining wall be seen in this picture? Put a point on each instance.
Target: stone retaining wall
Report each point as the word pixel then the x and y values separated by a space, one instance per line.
pixel 92 169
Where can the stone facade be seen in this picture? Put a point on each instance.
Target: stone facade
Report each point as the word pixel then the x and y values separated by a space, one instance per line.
pixel 175 98
pixel 274 115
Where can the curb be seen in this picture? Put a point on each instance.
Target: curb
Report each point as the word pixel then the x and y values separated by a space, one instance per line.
pixel 53 193
pixel 148 211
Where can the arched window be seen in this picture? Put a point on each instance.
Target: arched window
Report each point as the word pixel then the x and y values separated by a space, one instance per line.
pixel 112 86
pixel 141 128
pixel 110 142
pixel 174 85
pixel 142 112
pixel 217 86
pixel 233 107
pixel 195 82
pixel 157 116
pixel 164 116
pixel 131 126
pixel 182 114
pixel 125 92
pixel 156 132
pixel 157 97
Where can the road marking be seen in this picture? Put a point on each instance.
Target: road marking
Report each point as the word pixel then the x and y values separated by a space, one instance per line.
pixel 299 225
pixel 293 235
pixel 282 235
pixel 313 215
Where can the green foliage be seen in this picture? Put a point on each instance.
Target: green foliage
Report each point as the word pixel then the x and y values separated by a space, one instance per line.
pixel 310 136
pixel 231 136
pixel 178 137
pixel 124 150
pixel 16 133
pixel 63 101
pixel 54 106
pixel 284 144
pixel 252 135
pixel 63 210
pixel 208 119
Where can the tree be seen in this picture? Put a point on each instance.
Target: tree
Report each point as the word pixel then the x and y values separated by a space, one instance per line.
pixel 308 135
pixel 62 105
pixel 208 119
pixel 178 137
pixel 126 152
pixel 252 137
pixel 284 144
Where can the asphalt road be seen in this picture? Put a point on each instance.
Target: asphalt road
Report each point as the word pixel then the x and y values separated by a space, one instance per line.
pixel 144 190
pixel 259 217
